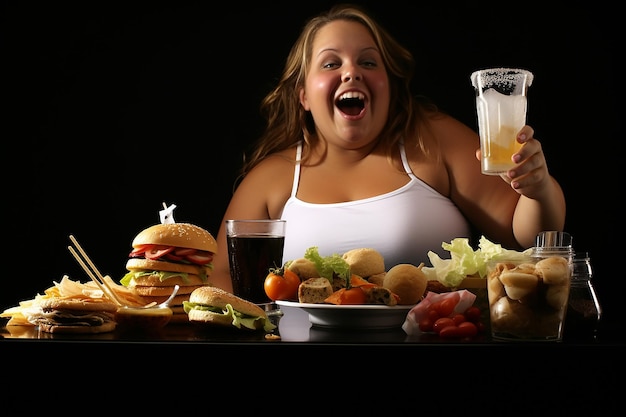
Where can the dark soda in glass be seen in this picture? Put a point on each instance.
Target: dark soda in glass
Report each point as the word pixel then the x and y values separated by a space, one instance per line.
pixel 251 258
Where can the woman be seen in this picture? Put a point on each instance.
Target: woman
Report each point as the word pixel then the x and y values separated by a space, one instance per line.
pixel 350 158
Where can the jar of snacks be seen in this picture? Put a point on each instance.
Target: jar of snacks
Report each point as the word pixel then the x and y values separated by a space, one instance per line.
pixel 528 298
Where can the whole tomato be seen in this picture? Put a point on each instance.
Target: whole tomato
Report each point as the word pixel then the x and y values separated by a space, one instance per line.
pixel 281 284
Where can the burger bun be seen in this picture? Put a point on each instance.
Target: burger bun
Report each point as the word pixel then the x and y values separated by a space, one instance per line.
pixel 183 235
pixel 218 299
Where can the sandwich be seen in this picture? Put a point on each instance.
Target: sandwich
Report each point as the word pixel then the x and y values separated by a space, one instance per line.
pixel 169 254
pixel 67 307
pixel 67 315
pixel 216 307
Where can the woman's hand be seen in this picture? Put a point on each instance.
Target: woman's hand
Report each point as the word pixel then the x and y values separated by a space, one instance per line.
pixel 530 176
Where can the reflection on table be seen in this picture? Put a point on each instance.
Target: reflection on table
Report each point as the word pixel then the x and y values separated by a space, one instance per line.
pixel 293 324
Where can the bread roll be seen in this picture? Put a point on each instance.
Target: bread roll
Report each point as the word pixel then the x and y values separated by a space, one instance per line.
pixel 380 295
pixel 314 290
pixel 304 268
pixel 365 262
pixel 377 278
pixel 407 281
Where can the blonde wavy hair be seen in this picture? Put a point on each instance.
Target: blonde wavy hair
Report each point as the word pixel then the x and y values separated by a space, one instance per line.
pixel 287 121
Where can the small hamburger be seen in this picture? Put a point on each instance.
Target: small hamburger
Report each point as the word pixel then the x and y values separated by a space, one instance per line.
pixel 169 254
pixel 214 306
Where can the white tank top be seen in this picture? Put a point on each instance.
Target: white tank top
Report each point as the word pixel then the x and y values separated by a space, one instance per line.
pixel 403 225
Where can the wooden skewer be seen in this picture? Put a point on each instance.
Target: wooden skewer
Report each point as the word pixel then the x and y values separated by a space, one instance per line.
pixel 99 280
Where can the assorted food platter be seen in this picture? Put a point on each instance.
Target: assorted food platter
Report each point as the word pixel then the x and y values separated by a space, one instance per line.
pixel 362 316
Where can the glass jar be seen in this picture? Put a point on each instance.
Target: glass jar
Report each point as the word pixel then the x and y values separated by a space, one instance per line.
pixel 557 245
pixel 583 311
pixel 528 297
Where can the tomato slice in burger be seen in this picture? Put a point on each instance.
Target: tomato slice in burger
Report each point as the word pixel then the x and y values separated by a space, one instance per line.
pixel 138 251
pixel 173 257
pixel 184 251
pixel 200 258
pixel 156 251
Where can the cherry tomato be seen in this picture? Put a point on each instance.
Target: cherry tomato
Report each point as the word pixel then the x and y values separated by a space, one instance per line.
pixel 446 307
pixel 472 314
pixel 442 323
pixel 281 284
pixel 450 332
pixel 426 324
pixel 467 329
pixel 443 308
pixel 433 315
pixel 458 318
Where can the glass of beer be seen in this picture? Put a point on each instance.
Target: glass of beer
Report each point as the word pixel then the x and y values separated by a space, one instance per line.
pixel 254 246
pixel 501 111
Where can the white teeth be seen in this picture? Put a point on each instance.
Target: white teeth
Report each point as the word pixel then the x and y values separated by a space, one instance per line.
pixel 352 94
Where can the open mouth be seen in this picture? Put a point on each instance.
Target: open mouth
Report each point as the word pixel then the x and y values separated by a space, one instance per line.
pixel 351 103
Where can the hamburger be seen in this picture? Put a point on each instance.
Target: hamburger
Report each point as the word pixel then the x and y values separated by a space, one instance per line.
pixel 169 254
pixel 216 307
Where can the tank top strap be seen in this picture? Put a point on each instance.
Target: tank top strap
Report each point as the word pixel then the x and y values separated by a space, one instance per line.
pixel 296 173
pixel 405 161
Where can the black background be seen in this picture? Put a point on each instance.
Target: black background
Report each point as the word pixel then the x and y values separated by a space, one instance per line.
pixel 111 109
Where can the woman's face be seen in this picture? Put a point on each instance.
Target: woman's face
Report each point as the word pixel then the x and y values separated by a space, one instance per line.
pixel 347 88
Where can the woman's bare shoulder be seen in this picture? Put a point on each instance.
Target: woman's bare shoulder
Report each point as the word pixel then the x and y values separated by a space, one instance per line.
pixel 449 129
pixel 269 182
pixel 276 163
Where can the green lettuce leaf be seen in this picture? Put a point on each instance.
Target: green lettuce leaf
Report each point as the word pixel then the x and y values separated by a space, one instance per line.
pixel 239 320
pixel 465 261
pixel 328 266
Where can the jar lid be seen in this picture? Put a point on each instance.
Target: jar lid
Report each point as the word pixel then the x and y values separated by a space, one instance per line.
pixel 553 242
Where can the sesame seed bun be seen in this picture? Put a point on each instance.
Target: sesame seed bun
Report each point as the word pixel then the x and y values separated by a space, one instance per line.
pixel 209 305
pixel 184 235
pixel 216 297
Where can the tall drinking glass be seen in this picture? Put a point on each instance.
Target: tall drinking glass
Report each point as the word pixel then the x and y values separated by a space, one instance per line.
pixel 254 246
pixel 501 111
